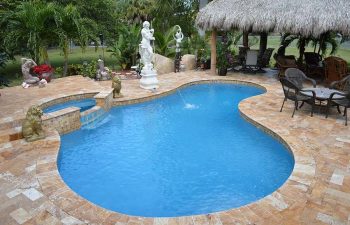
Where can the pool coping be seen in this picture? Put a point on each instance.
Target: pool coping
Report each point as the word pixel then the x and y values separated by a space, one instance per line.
pixel 269 207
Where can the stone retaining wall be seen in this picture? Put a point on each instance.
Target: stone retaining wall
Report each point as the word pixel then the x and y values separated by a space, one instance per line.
pixel 64 121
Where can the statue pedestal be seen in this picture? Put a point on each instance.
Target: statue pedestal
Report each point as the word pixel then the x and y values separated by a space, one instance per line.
pixel 149 79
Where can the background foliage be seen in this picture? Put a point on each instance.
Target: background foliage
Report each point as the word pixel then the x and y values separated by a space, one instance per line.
pixel 66 33
pixel 37 28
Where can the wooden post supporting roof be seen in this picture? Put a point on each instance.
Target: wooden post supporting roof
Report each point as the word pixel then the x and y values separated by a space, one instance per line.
pixel 263 43
pixel 246 39
pixel 213 52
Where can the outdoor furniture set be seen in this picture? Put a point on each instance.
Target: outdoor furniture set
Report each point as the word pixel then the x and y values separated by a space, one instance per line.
pixel 330 69
pixel 337 95
pixel 250 61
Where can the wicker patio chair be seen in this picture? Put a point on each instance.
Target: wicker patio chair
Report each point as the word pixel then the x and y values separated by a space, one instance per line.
pixel 292 92
pixel 298 77
pixel 335 69
pixel 239 60
pixel 344 102
pixel 285 62
pixel 342 85
pixel 314 65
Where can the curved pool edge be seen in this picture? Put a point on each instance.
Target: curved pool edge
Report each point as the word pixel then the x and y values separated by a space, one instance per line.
pixel 277 202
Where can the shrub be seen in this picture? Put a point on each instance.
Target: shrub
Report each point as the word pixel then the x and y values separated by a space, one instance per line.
pixel 86 70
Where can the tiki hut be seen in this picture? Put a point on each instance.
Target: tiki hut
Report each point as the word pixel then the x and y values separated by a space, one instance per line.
pixel 306 18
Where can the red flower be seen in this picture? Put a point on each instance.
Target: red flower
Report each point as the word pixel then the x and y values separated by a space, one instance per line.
pixel 39 70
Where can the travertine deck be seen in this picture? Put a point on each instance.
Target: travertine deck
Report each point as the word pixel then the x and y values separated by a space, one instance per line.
pixel 317 192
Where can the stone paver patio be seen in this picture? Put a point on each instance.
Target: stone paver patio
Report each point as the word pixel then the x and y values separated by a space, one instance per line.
pixel 317 192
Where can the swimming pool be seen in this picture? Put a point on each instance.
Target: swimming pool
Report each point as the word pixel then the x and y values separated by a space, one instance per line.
pixel 83 104
pixel 185 154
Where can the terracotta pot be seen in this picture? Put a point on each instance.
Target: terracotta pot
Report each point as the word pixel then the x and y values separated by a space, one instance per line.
pixel 222 71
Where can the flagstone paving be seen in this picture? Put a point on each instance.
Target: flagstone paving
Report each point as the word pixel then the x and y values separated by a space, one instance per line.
pixel 317 192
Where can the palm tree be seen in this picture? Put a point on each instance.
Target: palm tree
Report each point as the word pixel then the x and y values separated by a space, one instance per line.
pixel 302 43
pixel 325 40
pixel 71 26
pixel 125 49
pixel 29 27
pixel 165 43
pixel 136 10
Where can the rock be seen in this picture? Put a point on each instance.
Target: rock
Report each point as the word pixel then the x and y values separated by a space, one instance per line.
pixel 163 65
pixel 189 61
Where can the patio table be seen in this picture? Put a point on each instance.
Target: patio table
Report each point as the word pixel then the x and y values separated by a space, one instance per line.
pixel 322 94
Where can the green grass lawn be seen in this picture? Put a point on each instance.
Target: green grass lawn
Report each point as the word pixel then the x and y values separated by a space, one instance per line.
pixel 13 69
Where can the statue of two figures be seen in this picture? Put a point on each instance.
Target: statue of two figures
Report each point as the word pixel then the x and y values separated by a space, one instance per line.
pixel 178 36
pixel 149 79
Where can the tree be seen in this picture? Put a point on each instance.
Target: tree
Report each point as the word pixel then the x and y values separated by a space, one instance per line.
pixel 169 13
pixel 165 43
pixel 27 28
pixel 125 49
pixel 324 41
pixel 71 26
pixel 136 11
pixel 103 13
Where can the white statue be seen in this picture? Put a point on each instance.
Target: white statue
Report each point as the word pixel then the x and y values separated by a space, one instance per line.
pixel 27 64
pixel 102 72
pixel 179 36
pixel 146 50
pixel 149 79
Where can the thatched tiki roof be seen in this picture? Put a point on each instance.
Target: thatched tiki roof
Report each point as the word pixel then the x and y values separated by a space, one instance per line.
pixel 304 17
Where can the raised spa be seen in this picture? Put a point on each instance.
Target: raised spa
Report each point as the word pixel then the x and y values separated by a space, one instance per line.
pixel 83 104
pixel 185 154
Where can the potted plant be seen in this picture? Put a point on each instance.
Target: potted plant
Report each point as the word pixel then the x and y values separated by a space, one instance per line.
pixel 43 71
pixel 204 58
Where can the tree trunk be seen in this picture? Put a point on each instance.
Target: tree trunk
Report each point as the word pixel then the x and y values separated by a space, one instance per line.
pixel 263 43
pixel 246 39
pixel 321 43
pixel 213 52
pixel 46 56
pixel 301 50
pixel 65 67
pixel 65 53
pixel 37 56
pixel 316 42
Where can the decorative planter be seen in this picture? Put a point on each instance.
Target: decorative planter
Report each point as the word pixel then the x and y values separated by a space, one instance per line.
pixel 222 71
pixel 46 76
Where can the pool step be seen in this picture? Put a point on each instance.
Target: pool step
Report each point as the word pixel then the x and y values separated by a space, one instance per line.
pixel 10 134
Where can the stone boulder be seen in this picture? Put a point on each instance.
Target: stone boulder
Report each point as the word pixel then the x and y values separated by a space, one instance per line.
pixel 189 61
pixel 163 65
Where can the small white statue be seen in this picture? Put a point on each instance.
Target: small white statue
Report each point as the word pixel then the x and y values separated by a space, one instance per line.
pixel 27 64
pixel 179 36
pixel 102 72
pixel 146 50
pixel 42 83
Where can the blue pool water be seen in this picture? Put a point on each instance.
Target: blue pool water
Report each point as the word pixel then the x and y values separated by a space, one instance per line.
pixel 185 154
pixel 83 104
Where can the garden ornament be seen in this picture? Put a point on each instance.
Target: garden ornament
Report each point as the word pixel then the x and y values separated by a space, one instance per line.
pixel 117 86
pixel 42 83
pixel 27 64
pixel 179 36
pixel 102 72
pixel 32 125
pixel 148 79
pixel 146 50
